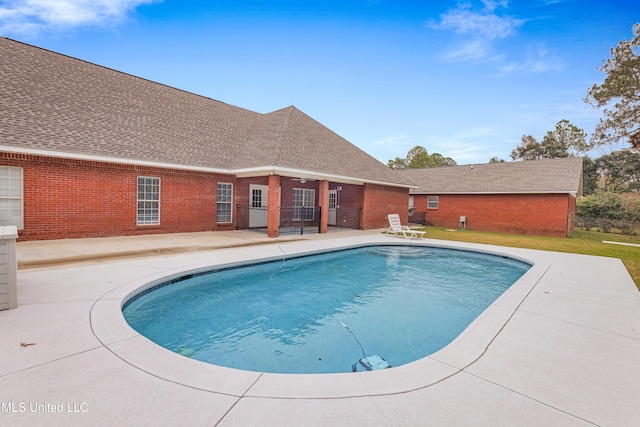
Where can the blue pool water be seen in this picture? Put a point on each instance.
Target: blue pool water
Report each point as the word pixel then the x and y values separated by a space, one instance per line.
pixel 318 314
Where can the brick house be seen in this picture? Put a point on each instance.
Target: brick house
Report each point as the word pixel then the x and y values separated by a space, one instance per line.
pixel 87 151
pixel 535 197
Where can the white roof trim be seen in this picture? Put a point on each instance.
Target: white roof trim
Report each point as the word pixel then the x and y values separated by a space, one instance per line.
pixel 239 173
pixel 301 173
pixel 107 159
pixel 462 193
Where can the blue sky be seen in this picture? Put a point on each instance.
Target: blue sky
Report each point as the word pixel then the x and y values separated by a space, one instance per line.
pixel 466 79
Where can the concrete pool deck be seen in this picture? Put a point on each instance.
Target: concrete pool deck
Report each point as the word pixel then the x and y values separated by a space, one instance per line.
pixel 560 347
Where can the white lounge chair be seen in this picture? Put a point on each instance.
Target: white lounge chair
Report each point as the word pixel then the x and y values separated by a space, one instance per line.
pixel 396 228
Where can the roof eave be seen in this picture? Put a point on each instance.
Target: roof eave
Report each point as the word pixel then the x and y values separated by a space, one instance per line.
pixel 315 175
pixel 108 159
pixel 239 173
pixel 435 192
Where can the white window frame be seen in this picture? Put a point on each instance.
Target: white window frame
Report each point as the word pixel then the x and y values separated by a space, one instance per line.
pixel 306 199
pixel 224 200
pixel 333 199
pixel 148 206
pixel 433 202
pixel 12 196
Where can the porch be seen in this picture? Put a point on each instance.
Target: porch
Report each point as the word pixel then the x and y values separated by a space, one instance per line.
pixel 295 220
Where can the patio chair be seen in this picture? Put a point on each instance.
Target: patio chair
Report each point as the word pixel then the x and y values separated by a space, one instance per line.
pixel 396 228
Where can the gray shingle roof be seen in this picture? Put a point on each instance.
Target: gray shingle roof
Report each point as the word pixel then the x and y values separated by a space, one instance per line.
pixel 54 103
pixel 533 176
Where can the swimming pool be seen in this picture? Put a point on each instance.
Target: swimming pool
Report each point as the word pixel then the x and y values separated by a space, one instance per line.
pixel 320 313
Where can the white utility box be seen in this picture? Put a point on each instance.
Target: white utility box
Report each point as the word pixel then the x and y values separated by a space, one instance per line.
pixel 8 267
pixel 463 222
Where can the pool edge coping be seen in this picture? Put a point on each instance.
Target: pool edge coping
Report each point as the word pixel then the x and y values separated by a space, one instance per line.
pixel 110 328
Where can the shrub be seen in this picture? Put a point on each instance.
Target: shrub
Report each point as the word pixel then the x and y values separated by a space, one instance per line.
pixel 631 205
pixel 605 205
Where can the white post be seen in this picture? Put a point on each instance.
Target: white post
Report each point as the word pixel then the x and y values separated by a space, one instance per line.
pixel 8 267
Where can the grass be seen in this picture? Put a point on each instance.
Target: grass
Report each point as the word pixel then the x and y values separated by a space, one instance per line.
pixel 580 242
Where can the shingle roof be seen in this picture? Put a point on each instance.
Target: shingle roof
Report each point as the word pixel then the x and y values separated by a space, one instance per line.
pixel 62 105
pixel 533 176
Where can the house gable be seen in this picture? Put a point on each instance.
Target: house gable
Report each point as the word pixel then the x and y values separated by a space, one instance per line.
pixel 532 176
pixel 61 106
pixel 85 137
pixel 529 197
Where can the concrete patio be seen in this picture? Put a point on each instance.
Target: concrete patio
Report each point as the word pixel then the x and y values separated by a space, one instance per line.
pixel 560 347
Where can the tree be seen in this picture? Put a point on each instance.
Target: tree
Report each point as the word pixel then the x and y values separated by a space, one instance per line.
pixel 620 170
pixel 621 87
pixel 496 159
pixel 438 160
pixel 529 149
pixel 419 158
pixel 590 176
pixel 566 140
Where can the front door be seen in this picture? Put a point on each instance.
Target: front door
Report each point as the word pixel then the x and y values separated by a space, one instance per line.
pixel 333 198
pixel 259 207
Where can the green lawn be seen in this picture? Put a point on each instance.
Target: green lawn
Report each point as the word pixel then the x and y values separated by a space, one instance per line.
pixel 580 242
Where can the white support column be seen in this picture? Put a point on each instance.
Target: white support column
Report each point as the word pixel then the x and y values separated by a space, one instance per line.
pixel 8 267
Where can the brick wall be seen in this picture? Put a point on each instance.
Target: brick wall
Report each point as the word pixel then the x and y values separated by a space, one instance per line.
pixel 531 214
pixel 376 201
pixel 379 201
pixel 274 206
pixel 66 198
pixel 350 196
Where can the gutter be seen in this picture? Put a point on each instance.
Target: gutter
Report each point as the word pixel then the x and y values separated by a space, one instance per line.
pixel 463 193
pixel 239 173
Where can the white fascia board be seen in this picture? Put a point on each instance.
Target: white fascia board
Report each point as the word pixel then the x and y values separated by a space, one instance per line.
pixel 306 174
pixel 462 193
pixel 239 173
pixel 107 159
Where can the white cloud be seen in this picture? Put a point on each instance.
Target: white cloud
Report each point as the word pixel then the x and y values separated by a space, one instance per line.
pixel 477 31
pixel 392 141
pixel 486 25
pixel 33 16
pixel 493 5
pixel 471 50
pixel 474 145
pixel 390 147
pixel 538 59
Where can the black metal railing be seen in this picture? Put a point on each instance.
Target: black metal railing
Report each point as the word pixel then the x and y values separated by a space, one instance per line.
pixel 346 218
pixel 417 217
pixel 247 217
pixel 295 219
pixel 298 220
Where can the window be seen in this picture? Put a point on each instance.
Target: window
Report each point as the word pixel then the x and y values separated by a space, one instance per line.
pixel 333 199
pixel 256 198
pixel 225 201
pixel 11 196
pixel 433 202
pixel 304 200
pixel 148 200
